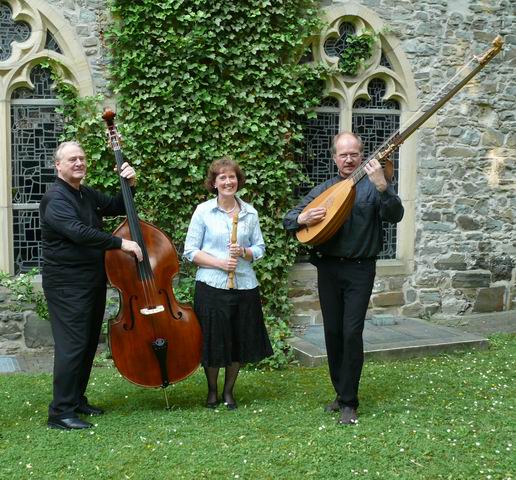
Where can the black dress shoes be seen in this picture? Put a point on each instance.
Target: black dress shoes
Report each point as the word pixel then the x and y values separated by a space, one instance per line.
pixel 332 407
pixel 89 410
pixel 68 423
pixel 231 406
pixel 348 416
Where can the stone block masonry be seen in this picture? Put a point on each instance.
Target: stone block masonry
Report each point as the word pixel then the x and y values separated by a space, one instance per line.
pixel 465 243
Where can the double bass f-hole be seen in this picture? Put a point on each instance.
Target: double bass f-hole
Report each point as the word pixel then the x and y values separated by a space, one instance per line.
pixel 179 313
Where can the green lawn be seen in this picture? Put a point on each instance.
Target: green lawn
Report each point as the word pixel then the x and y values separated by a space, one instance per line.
pixel 449 417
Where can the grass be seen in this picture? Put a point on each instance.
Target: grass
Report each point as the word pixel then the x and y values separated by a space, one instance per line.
pixel 446 417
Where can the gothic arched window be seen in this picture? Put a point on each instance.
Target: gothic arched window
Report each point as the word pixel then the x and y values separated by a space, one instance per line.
pixel 35 131
pixel 32 32
pixel 370 103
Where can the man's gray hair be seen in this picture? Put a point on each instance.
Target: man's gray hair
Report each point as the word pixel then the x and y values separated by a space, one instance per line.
pixel 344 134
pixel 63 145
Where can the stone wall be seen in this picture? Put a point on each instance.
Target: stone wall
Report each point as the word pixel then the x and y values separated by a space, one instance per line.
pixel 464 258
pixel 88 18
pixel 21 331
pixel 465 243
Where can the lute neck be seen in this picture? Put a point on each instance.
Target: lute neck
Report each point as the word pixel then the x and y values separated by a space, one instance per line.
pixel 399 136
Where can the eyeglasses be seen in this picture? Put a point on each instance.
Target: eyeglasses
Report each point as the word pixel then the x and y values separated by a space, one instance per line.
pixel 352 156
pixel 76 159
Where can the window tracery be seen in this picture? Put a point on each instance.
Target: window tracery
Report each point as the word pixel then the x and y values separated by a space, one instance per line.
pixel 369 103
pixel 11 31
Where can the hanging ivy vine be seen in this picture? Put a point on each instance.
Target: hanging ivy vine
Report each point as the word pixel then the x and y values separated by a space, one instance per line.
pixel 359 49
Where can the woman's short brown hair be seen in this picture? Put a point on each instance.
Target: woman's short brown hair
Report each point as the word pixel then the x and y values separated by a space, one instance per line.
pixel 217 166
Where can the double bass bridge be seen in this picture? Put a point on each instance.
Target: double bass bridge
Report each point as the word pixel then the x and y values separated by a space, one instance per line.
pixel 152 310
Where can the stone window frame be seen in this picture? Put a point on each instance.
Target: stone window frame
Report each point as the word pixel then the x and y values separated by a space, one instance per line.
pixel 400 87
pixel 15 73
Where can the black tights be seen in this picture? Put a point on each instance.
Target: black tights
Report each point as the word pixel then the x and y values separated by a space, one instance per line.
pixel 231 374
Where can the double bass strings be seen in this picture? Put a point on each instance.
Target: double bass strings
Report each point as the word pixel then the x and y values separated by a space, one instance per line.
pixel 144 267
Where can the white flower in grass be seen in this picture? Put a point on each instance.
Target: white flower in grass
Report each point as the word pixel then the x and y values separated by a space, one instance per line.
pixel 29 465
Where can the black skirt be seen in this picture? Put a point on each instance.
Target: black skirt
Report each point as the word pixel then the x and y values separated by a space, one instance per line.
pixel 232 326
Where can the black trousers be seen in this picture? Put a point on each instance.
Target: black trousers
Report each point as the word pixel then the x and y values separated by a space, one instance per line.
pixel 76 315
pixel 345 287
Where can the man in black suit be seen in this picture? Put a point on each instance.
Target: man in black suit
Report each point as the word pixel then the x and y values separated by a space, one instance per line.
pixel 74 279
pixel 346 266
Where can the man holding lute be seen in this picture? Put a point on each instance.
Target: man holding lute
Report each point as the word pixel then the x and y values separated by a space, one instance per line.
pixel 346 262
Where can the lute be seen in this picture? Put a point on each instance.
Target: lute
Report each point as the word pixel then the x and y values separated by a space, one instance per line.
pixel 339 198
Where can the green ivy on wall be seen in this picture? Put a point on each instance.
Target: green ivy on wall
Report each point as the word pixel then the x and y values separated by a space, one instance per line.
pixel 359 49
pixel 200 79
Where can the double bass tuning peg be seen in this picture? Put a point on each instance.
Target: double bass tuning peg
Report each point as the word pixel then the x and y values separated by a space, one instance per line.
pixel 113 138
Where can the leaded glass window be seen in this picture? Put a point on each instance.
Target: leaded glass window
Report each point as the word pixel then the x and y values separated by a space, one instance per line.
pixel 51 43
pixel 10 31
pixel 335 46
pixel 35 131
pixel 375 120
pixel 318 134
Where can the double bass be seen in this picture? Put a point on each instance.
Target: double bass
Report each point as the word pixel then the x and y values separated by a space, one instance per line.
pixel 339 198
pixel 155 341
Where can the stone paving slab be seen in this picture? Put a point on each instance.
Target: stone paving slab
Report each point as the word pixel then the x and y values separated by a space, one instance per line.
pixel 37 361
pixel 407 337
pixel 9 364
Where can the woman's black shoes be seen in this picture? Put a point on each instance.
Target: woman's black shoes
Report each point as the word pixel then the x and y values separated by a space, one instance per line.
pixel 212 405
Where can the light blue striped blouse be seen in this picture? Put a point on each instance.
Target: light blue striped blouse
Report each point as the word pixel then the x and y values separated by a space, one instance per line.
pixel 210 231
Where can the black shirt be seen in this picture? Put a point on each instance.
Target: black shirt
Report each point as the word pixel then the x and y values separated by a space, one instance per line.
pixel 361 234
pixel 72 239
